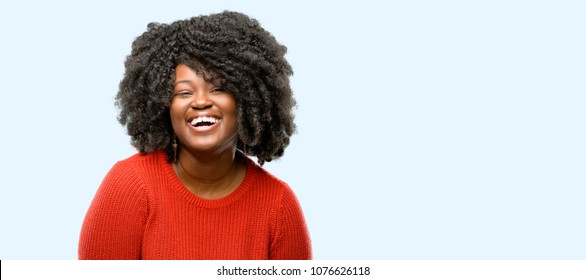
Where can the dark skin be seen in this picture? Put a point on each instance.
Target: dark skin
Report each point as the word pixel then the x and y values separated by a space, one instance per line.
pixel 204 119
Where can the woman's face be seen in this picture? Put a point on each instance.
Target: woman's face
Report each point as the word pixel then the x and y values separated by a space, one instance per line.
pixel 203 116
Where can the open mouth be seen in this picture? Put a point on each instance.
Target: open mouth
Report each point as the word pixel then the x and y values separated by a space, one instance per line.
pixel 203 122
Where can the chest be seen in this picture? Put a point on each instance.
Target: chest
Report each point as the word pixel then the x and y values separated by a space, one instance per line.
pixel 178 230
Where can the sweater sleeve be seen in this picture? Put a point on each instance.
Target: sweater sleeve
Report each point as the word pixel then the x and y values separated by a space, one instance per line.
pixel 292 237
pixel 114 224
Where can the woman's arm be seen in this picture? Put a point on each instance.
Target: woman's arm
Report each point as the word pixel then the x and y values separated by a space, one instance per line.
pixel 114 224
pixel 292 237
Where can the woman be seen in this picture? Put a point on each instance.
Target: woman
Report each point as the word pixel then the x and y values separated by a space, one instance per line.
pixel 198 97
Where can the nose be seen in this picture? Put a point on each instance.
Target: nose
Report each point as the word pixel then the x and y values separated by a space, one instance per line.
pixel 201 100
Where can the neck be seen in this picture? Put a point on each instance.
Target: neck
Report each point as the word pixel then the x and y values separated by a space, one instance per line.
pixel 209 177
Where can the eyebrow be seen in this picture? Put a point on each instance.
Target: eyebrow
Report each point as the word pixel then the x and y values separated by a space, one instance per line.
pixel 182 81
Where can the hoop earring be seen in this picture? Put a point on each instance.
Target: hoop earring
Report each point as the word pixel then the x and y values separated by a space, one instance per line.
pixel 174 146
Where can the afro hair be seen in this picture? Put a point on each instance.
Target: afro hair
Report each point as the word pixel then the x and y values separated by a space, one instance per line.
pixel 245 58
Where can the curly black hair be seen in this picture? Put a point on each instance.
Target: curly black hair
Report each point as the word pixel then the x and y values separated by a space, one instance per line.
pixel 245 58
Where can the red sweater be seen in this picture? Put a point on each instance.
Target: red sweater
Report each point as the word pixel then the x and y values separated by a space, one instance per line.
pixel 143 211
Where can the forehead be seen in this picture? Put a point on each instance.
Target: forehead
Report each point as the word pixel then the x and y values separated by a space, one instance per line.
pixel 195 71
pixel 183 71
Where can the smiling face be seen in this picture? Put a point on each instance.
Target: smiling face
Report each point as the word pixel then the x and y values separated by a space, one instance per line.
pixel 203 116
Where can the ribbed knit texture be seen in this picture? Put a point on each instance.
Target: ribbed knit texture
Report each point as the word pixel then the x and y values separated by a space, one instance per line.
pixel 143 211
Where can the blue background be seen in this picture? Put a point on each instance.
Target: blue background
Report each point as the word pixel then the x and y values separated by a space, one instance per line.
pixel 427 129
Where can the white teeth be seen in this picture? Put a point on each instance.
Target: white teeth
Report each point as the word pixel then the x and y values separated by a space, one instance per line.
pixel 204 119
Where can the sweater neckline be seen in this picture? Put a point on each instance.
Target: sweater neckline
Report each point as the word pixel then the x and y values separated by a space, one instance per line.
pixel 211 203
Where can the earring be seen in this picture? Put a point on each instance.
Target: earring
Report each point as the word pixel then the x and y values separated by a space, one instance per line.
pixel 174 145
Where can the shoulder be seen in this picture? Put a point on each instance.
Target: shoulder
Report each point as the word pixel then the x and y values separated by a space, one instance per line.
pixel 140 159
pixel 267 182
pixel 140 164
pixel 265 179
pixel 123 189
pixel 134 171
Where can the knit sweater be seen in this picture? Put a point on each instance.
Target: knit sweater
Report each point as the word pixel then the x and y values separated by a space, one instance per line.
pixel 143 211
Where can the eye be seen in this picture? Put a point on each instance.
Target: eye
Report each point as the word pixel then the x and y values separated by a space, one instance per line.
pixel 217 90
pixel 182 94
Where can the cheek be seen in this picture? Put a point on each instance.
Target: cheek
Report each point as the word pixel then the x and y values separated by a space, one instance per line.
pixel 230 111
pixel 175 113
pixel 229 105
